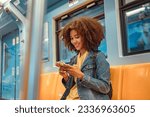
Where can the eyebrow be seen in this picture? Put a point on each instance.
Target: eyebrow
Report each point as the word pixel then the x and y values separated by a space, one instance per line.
pixel 75 35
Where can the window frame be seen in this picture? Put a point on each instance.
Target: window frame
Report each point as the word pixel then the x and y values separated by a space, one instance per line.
pixel 123 8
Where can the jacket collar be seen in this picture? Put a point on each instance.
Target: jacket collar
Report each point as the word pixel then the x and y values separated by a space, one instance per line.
pixel 89 56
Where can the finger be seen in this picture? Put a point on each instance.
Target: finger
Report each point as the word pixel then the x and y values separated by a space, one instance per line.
pixel 62 69
pixel 66 69
pixel 63 72
pixel 57 64
pixel 60 63
pixel 70 72
pixel 67 66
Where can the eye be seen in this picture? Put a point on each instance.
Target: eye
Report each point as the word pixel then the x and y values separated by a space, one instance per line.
pixel 77 36
pixel 71 38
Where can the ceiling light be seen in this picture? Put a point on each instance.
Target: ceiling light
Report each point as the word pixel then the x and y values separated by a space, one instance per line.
pixel 3 1
pixel 136 11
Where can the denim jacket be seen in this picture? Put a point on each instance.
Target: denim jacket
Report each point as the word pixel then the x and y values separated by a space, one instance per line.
pixel 96 81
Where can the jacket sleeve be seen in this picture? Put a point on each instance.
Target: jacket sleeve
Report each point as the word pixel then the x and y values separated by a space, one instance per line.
pixel 102 81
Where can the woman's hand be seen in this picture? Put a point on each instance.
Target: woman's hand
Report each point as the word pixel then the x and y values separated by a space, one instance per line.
pixel 73 70
pixel 60 64
pixel 62 72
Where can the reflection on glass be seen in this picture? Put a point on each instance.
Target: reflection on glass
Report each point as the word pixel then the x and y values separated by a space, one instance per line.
pixel 65 54
pixel 128 1
pixel 6 57
pixel 45 47
pixel 138 28
pixel 103 45
pixel 8 70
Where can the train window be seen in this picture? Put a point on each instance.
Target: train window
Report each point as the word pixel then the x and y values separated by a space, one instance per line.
pixel 135 28
pixel 5 58
pixel 94 10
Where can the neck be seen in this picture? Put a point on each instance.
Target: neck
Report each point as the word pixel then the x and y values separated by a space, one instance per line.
pixel 82 51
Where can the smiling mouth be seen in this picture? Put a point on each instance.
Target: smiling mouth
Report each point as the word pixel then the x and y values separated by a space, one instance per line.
pixel 76 46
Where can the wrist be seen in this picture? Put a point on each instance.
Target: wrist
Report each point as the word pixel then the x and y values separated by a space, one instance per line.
pixel 66 76
pixel 81 76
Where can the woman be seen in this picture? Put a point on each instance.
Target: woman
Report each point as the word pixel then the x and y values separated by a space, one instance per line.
pixel 87 76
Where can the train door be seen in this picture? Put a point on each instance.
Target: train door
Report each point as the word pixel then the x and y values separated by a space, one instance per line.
pixel 10 66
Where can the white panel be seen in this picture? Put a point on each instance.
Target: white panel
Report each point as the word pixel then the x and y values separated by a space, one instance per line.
pixel 17 71
pixel 13 41
pixel 13 71
pixel 17 40
pixel 46 30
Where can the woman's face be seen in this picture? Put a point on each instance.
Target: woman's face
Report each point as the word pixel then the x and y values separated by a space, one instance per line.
pixel 76 40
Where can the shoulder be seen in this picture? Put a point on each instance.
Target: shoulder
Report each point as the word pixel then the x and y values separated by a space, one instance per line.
pixel 99 55
pixel 101 59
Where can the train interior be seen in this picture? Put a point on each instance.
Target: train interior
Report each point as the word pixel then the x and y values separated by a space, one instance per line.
pixel 30 46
